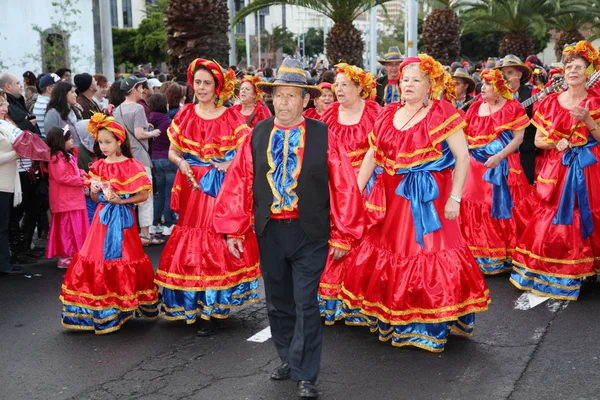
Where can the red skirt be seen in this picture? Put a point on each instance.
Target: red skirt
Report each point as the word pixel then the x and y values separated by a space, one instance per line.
pixel 196 258
pixel 68 231
pixel 391 278
pixel 493 241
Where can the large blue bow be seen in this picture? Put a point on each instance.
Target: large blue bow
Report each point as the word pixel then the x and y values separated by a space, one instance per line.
pixel 420 188
pixel 378 171
pixel 501 198
pixel 116 217
pixel 212 180
pixel 576 159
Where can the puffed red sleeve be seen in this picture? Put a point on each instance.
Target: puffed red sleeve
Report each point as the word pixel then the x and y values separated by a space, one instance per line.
pixel 347 211
pixel 234 204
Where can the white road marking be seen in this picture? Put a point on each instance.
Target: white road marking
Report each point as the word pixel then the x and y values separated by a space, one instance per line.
pixel 261 336
pixel 535 300
pixel 529 300
pixel 522 303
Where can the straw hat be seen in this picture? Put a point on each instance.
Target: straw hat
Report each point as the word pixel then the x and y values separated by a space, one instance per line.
pixel 290 74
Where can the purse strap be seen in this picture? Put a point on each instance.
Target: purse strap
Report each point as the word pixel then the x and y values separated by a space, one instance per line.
pixel 132 133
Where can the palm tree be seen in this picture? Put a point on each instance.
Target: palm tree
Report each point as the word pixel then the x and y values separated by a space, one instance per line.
pixel 441 32
pixel 280 38
pixel 197 28
pixel 344 42
pixel 518 20
pixel 569 24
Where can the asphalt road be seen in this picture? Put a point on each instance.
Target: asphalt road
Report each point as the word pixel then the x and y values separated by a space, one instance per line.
pixel 550 351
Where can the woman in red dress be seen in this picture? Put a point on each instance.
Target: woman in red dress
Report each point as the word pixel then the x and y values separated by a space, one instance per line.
pixel 493 210
pixel 323 102
pixel 200 278
pixel 251 105
pixel 561 246
pixel 350 120
pixel 413 278
pixel 111 277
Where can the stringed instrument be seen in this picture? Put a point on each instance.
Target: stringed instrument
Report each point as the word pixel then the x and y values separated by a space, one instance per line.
pixel 558 84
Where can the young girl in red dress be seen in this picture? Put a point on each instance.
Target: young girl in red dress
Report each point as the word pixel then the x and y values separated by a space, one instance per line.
pixel 69 225
pixel 111 277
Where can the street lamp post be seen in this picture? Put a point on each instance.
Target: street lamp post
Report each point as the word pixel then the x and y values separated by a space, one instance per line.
pixel 410 32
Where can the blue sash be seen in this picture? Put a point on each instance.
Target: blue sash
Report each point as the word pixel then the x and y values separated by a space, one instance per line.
pixel 284 162
pixel 420 188
pixel 501 198
pixel 576 159
pixel 212 180
pixel 116 217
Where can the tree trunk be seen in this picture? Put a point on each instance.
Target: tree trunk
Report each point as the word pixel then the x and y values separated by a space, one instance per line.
pixel 518 44
pixel 345 44
pixel 197 28
pixel 441 35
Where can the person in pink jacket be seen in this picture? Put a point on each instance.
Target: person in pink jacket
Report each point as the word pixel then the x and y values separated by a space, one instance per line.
pixel 70 224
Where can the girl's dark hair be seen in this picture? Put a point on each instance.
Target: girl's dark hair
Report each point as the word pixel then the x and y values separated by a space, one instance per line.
pixel 158 103
pixel 56 139
pixel 174 95
pixel 58 99
pixel 115 94
pixel 125 146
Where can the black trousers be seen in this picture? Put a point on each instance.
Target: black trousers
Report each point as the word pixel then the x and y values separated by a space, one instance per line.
pixel 6 201
pixel 29 211
pixel 291 266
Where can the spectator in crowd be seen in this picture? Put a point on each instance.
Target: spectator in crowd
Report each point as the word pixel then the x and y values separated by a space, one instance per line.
pixel 10 188
pixel 100 95
pixel 61 110
pixel 268 74
pixel 115 95
pixel 64 74
pixel 165 86
pixel 146 93
pixel 162 78
pixel 328 76
pixel 16 103
pixel 154 85
pixel 130 114
pixel 176 98
pixel 86 88
pixel 164 170
pixel 31 95
pixel 47 83
pixel 117 75
pixel 29 79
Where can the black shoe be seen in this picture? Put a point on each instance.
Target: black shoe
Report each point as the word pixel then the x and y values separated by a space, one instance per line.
pixel 209 329
pixel 307 389
pixel 22 259
pixel 36 253
pixel 15 271
pixel 282 372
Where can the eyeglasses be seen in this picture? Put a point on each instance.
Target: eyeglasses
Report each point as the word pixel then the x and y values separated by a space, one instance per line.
pixel 576 68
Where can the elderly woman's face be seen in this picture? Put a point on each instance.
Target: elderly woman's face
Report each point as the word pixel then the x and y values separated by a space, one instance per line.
pixel 247 93
pixel 347 91
pixel 415 84
pixel 575 71
pixel 487 91
pixel 325 100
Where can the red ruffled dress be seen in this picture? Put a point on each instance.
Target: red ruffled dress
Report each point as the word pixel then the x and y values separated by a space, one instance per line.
pixel 354 139
pixel 313 114
pixel 561 246
pixel 200 278
pixel 413 278
pixel 111 277
pixel 261 112
pixel 494 209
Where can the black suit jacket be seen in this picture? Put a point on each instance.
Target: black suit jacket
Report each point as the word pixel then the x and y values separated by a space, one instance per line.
pixel 381 83
pixel 313 182
pixel 18 113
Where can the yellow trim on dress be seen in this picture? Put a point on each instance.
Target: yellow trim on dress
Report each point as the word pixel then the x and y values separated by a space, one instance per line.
pixel 207 278
pixel 374 207
pixel 339 245
pixel 109 295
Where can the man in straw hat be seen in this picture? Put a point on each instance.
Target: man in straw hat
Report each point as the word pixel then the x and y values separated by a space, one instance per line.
pixel 388 87
pixel 517 75
pixel 300 188
pixel 465 85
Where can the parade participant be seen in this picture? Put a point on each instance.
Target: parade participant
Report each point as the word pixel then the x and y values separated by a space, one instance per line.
pixel 388 87
pixel 560 246
pixel 294 178
pixel 517 75
pixel 465 85
pixel 350 121
pixel 322 102
pixel 412 278
pixel 200 278
pixel 251 107
pixel 111 278
pixel 70 224
pixel 493 210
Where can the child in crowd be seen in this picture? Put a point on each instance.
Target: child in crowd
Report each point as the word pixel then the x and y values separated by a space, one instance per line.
pixel 69 225
pixel 111 277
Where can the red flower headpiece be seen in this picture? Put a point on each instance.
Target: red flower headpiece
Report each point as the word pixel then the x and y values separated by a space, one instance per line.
pixel 449 88
pixel 100 121
pixel 253 80
pixel 585 50
pixel 227 81
pixel 364 79
pixel 496 79
pixel 327 85
pixel 430 67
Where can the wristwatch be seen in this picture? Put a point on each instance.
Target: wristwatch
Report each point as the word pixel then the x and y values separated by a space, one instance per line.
pixel 455 198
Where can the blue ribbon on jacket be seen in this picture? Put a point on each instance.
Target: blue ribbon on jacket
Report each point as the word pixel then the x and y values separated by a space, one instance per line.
pixel 576 159
pixel 212 180
pixel 420 188
pixel 116 217
pixel 501 198
pixel 283 165
pixel 392 92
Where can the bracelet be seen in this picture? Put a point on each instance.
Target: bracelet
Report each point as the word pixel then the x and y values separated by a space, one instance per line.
pixel 455 198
